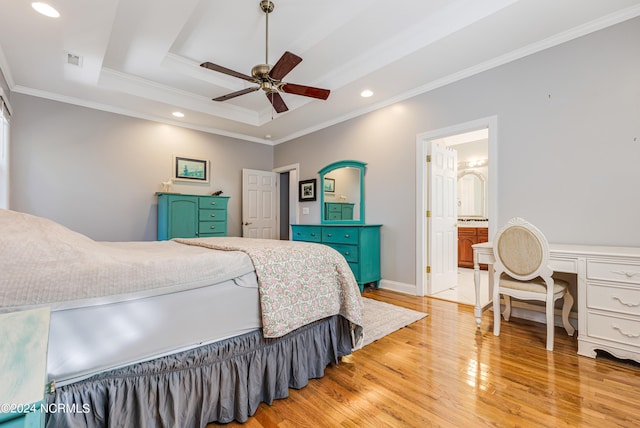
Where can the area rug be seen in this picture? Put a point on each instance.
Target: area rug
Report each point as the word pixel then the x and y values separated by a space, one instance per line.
pixel 381 319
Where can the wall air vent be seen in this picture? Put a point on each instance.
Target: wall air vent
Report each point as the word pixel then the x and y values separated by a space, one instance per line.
pixel 74 59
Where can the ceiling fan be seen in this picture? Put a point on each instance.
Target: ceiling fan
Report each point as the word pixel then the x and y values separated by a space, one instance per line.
pixel 269 77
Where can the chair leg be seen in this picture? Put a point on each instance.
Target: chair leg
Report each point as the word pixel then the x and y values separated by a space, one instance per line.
pixel 496 314
pixel 507 307
pixel 566 309
pixel 550 324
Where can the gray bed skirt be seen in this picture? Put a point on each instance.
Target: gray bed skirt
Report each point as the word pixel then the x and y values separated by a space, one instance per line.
pixel 220 382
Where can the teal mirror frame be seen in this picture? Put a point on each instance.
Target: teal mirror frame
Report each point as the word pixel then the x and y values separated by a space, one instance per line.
pixel 331 167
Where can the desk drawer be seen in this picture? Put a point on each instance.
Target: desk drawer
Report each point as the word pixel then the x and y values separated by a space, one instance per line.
pixel 617 329
pixel 340 235
pixel 616 299
pixel 610 271
pixel 350 252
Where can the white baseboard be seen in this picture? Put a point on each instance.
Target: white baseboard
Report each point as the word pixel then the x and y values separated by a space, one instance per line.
pixel 400 287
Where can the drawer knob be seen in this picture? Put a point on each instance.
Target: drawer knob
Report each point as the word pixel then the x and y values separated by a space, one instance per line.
pixel 212 215
pixel 346 253
pixel 631 305
pixel 313 234
pixel 329 235
pixel 212 227
pixel 346 236
pixel 213 202
pixel 631 335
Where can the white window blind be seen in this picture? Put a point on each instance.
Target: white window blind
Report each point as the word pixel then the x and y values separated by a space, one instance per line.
pixel 4 152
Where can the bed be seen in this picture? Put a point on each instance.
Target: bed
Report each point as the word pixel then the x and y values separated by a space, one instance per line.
pixel 177 333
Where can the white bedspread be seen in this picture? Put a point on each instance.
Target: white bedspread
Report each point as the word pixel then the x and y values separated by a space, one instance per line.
pixel 44 263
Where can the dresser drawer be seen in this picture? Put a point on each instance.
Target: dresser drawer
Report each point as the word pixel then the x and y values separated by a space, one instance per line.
pixel 307 233
pixel 209 202
pixel 212 227
pixel 340 235
pixel 350 252
pixel 212 215
pixel 610 327
pixel 334 208
pixel 610 271
pixel 616 299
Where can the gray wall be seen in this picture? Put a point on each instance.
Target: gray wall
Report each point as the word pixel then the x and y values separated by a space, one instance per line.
pixel 568 153
pixel 97 172
pixel 568 145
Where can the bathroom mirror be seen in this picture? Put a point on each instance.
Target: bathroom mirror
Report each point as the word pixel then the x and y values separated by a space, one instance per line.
pixel 342 192
pixel 472 195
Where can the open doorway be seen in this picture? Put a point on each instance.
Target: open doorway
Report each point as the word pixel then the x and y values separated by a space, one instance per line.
pixel 449 136
pixel 287 199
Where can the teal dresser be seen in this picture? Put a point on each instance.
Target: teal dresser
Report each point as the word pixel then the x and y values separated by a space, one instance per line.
pixel 338 211
pixel 191 216
pixel 358 243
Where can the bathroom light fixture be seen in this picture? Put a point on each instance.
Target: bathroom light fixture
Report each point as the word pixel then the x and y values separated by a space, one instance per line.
pixel 45 10
pixel 366 93
pixel 178 114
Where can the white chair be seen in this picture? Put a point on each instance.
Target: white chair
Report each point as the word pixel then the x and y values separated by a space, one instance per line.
pixel 522 271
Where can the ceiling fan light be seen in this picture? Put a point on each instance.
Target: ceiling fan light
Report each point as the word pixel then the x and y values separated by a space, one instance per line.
pixel 45 10
pixel 178 114
pixel 366 93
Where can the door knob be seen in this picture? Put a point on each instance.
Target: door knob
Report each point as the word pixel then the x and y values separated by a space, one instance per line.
pixel 246 223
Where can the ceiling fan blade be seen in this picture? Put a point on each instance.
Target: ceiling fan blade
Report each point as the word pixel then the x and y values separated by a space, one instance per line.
pixel 277 102
pixel 221 69
pixel 307 91
pixel 236 94
pixel 285 64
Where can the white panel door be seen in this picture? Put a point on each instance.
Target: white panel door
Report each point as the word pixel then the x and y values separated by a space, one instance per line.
pixel 259 204
pixel 442 218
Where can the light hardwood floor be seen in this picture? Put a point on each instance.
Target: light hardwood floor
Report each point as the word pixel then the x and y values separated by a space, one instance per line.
pixel 441 371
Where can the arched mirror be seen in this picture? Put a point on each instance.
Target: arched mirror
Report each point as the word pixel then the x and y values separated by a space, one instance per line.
pixel 342 192
pixel 472 195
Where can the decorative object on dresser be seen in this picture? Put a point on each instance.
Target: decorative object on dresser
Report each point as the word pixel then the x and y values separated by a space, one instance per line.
pixel 191 216
pixel 359 244
pixel 167 186
pixel 468 236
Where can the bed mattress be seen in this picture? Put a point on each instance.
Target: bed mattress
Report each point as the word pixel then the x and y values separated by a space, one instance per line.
pixel 86 340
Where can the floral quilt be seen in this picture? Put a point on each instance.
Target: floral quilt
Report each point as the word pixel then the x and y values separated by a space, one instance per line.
pixel 299 282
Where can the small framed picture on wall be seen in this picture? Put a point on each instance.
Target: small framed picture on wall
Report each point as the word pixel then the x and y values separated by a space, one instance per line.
pixel 307 190
pixel 191 169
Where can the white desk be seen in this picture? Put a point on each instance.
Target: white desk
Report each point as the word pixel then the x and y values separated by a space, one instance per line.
pixel 608 288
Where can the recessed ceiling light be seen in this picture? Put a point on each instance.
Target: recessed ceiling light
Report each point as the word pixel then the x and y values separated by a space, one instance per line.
pixel 366 93
pixel 45 9
pixel 178 114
